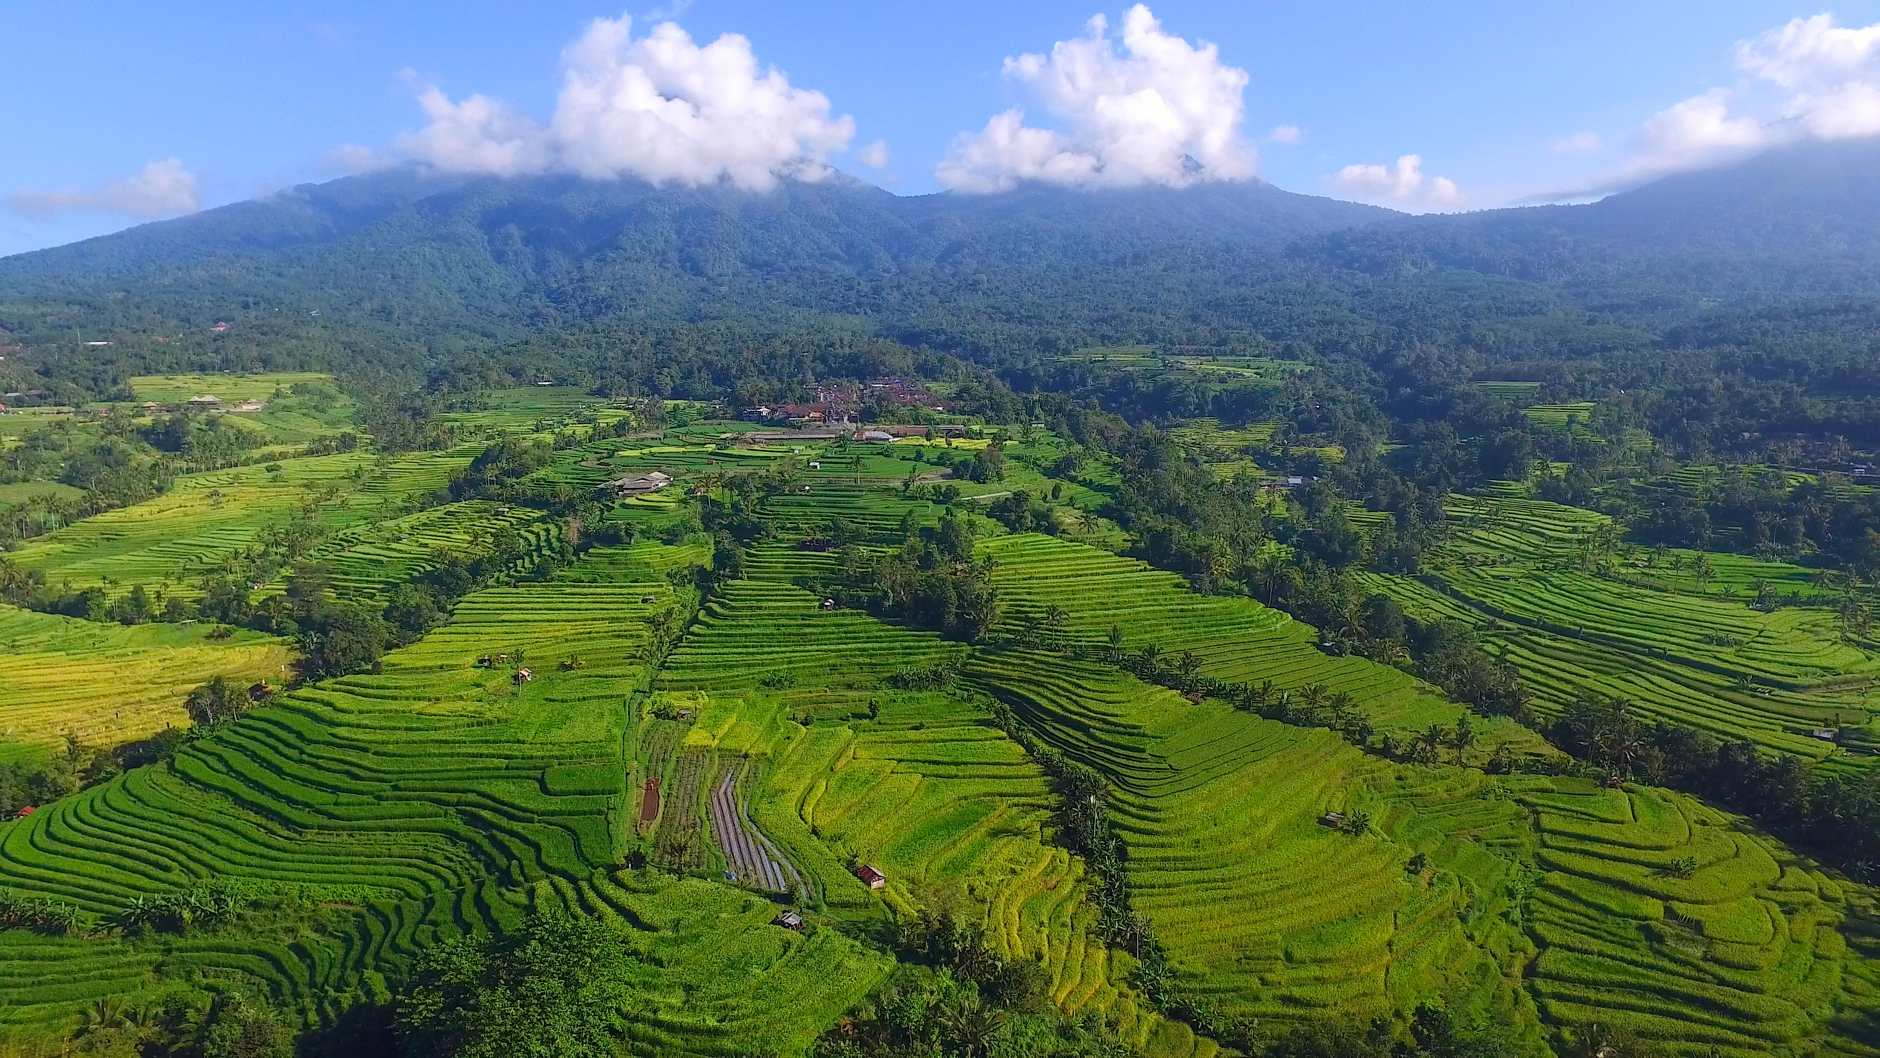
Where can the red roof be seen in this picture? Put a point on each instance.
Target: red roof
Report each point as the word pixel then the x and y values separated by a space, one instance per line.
pixel 27 811
pixel 873 877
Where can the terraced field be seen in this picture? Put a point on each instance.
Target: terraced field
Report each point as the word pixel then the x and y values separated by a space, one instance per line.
pixel 106 684
pixel 1755 952
pixel 398 797
pixel 366 560
pixel 1551 899
pixel 765 630
pixel 1518 570
pixel 172 541
pixel 1236 639
pixel 937 798
pixel 1266 913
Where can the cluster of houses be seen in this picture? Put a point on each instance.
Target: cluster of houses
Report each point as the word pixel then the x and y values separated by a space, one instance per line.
pixel 837 402
pixel 882 434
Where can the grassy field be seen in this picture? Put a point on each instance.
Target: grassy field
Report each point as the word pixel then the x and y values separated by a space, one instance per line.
pixel 106 684
pixel 175 389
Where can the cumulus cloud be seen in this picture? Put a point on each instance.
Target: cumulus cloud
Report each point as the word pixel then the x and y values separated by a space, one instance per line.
pixel 1696 130
pixel 1156 110
pixel 1287 134
pixel 659 107
pixel 875 155
pixel 163 188
pixel 1831 74
pixel 1403 184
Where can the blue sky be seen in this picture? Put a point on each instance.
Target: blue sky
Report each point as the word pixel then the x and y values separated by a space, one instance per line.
pixel 116 112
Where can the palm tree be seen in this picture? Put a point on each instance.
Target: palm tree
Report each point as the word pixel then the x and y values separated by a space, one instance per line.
pixel 975 1028
pixel 1431 740
pixel 1190 668
pixel 1151 656
pixel 105 1014
pixel 1463 738
pixel 1116 644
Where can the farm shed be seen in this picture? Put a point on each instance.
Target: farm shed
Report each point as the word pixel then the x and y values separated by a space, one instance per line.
pixel 871 877
pixel 789 920
pixel 523 676
pixel 1334 820
pixel 639 484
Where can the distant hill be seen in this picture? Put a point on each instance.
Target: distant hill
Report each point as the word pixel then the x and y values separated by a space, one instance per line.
pixel 568 250
pixel 449 260
pixel 1805 219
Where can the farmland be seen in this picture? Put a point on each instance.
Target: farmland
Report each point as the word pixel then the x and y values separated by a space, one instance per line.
pixel 127 683
pixel 1576 620
pixel 605 725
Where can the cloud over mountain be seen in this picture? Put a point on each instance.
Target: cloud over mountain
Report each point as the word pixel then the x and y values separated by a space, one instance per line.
pixel 163 188
pixel 659 107
pixel 1403 184
pixel 1156 110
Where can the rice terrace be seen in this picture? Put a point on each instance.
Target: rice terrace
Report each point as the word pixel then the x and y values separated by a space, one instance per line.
pixel 1200 539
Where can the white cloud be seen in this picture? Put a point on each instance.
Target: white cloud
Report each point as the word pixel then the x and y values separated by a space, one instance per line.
pixel 1287 134
pixel 353 158
pixel 1582 142
pixel 1694 132
pixel 1403 184
pixel 1807 53
pixel 1831 74
pixel 478 135
pixel 875 155
pixel 1806 79
pixel 163 188
pixel 660 108
pixel 1158 111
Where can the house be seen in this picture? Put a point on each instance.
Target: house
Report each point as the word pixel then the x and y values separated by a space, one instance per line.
pixel 876 436
pixel 205 400
pixel 221 327
pixel 251 405
pixel 815 464
pixel 523 676
pixel 828 604
pixel 97 345
pixel 639 484
pixel 1335 820
pixel 1825 734
pixel 871 877
pixel 759 413
pixel 648 600
pixel 26 810
pixel 789 920
pixel 259 691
